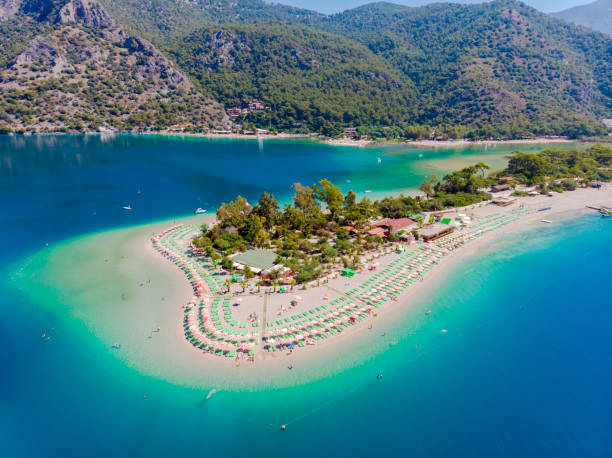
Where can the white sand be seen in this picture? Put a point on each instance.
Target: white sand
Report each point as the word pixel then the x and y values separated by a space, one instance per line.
pixel 312 297
pixel 110 300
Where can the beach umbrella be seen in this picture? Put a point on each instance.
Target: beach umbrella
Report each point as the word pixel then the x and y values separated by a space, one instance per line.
pixel 297 298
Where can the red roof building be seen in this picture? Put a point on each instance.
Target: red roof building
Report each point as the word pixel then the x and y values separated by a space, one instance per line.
pixel 397 224
pixel 377 232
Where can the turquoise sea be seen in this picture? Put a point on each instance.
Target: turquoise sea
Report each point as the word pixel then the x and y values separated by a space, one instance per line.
pixel 525 368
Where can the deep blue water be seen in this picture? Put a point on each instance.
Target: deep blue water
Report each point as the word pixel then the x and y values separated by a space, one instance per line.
pixel 525 369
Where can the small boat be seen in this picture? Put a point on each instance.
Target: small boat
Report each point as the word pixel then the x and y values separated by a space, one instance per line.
pixel 546 221
pixel 379 160
pixel 199 211
pixel 605 212
pixel 428 312
pixel 116 346
pixel 368 190
pixel 127 207
pixel 444 330
pixel 210 393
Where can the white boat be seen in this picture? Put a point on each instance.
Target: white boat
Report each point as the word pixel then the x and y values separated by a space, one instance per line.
pixel 210 393
pixel 127 207
pixel 199 211
pixel 379 160
pixel 546 221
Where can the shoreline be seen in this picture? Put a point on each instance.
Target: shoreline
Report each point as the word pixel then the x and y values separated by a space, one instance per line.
pixel 169 356
pixel 460 143
pixel 317 138
pixel 566 201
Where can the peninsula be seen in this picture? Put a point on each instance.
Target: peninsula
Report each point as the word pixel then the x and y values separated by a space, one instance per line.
pixel 268 282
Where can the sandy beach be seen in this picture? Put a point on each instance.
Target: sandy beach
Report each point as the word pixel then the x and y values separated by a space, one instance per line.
pixel 452 143
pixel 563 206
pixel 123 291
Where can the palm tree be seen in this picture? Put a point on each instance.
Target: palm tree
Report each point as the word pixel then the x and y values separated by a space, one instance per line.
pixel 228 283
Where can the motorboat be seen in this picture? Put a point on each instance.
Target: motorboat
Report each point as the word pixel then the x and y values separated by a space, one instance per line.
pixel 127 207
pixel 199 211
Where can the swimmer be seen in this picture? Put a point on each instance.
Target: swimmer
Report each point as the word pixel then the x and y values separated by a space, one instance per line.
pixel 379 376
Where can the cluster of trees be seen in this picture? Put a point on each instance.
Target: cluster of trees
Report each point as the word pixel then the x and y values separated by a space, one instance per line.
pixel 593 163
pixel 307 234
pixel 310 234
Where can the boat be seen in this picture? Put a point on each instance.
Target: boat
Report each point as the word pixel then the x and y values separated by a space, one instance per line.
pixel 116 345
pixel 210 393
pixel 199 211
pixel 368 190
pixel 546 221
pixel 127 207
pixel 606 212
pixel 379 160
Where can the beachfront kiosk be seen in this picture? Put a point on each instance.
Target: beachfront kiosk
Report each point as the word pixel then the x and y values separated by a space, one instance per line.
pixel 435 232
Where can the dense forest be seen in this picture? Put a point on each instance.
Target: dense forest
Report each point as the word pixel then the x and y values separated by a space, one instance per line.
pixel 309 79
pixel 494 70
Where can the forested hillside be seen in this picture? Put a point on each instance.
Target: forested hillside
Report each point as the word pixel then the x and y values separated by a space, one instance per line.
pixel 490 63
pixel 68 66
pixel 308 78
pixel 159 19
pixel 498 69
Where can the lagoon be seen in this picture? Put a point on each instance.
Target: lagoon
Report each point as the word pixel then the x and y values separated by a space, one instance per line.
pixel 523 371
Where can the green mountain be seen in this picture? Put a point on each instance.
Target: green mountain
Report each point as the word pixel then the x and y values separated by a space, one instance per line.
pixel 159 19
pixel 494 69
pixel 596 15
pixel 68 66
pixel 308 78
pixel 493 62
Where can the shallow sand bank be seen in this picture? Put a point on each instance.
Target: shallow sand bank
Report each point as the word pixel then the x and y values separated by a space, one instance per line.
pixel 115 286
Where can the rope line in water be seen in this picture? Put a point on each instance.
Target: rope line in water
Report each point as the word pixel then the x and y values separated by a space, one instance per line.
pixel 436 347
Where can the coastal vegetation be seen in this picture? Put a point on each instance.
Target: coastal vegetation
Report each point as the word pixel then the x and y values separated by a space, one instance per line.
pixel 593 163
pixel 323 227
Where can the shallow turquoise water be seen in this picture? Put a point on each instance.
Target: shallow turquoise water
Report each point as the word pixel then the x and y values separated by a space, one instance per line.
pixel 525 369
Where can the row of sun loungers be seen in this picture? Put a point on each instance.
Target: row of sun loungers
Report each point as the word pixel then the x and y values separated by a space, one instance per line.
pixel 210 325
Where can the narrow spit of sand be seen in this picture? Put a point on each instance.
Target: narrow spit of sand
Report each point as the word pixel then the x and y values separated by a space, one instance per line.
pixel 564 205
pixel 125 299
